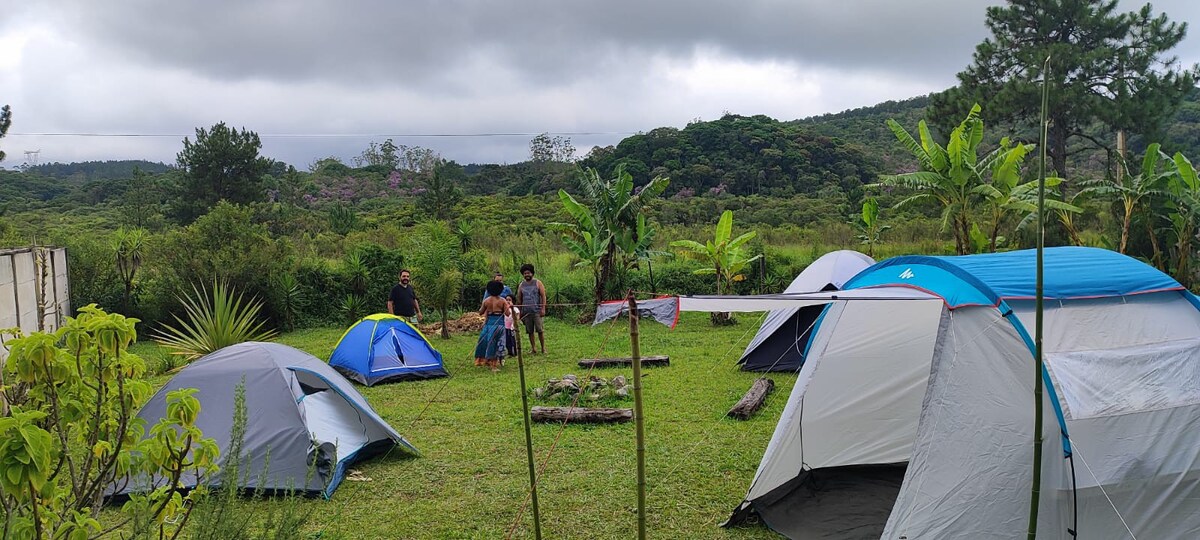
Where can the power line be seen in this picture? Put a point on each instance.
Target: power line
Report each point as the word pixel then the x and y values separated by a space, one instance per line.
pixel 335 135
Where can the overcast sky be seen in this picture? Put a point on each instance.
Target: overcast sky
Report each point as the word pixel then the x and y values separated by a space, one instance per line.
pixel 323 78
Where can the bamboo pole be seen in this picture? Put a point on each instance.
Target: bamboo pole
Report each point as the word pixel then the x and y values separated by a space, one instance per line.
pixel 1035 490
pixel 639 422
pixel 537 520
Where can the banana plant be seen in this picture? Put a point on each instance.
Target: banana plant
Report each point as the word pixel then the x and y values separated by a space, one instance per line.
pixel 725 255
pixel 1184 202
pixel 954 175
pixel 613 221
pixel 870 228
pixel 1134 191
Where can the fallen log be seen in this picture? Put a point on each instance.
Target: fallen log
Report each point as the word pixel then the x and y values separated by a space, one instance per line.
pixel 647 361
pixel 583 415
pixel 753 400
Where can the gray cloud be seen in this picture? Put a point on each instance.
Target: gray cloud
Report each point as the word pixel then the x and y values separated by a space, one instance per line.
pixel 368 69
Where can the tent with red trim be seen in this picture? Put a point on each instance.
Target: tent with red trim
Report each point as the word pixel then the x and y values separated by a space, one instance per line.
pixel 913 413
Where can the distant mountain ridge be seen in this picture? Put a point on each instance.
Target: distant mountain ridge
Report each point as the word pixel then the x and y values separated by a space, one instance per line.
pixel 98 170
pixel 735 154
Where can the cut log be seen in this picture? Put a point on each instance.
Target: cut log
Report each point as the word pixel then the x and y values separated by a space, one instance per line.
pixel 647 361
pixel 583 415
pixel 753 400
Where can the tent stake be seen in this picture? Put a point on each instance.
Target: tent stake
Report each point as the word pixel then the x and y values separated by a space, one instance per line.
pixel 537 520
pixel 1036 487
pixel 637 416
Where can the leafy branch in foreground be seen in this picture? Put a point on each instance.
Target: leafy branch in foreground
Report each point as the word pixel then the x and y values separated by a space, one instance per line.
pixel 71 434
pixel 225 318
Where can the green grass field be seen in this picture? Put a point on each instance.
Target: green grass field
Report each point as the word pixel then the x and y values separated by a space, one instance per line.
pixel 472 478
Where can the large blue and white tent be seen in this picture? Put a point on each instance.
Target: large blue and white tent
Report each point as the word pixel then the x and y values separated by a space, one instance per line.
pixel 912 416
pixel 384 348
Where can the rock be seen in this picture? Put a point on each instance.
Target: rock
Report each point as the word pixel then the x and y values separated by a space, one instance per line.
pixel 623 392
pixel 566 385
pixel 539 392
pixel 571 378
pixel 619 381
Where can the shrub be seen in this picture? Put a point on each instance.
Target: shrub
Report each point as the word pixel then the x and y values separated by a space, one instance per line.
pixel 68 433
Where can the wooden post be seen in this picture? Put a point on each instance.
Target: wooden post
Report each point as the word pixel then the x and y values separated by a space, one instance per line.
pixel 537 521
pixel 1035 490
pixel 638 420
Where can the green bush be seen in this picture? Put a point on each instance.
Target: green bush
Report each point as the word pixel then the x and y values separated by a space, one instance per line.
pixel 68 434
pixel 222 246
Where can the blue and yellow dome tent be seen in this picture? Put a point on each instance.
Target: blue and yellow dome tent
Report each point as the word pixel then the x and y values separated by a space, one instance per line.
pixel 385 348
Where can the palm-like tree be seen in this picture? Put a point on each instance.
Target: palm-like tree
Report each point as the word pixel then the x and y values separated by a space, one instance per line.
pixel 957 179
pixel 1184 202
pixel 1133 191
pixel 725 255
pixel 611 231
pixel 947 175
pixel 439 277
pixel 869 226
pixel 129 246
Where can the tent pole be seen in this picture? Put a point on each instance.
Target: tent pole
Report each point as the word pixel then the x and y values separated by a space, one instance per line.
pixel 537 520
pixel 1036 487
pixel 636 353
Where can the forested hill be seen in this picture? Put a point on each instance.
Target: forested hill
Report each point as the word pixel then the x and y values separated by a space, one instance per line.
pixel 867 128
pixel 97 170
pixel 741 155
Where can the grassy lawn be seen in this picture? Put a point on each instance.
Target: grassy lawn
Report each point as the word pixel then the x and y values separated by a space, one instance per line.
pixel 472 480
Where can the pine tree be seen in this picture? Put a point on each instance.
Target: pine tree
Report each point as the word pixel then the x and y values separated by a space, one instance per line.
pixel 1105 66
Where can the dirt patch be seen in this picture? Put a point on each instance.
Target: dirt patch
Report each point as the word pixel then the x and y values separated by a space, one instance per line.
pixel 469 322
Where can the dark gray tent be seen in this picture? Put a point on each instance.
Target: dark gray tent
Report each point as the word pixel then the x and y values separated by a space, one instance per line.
pixel 299 410
pixel 780 341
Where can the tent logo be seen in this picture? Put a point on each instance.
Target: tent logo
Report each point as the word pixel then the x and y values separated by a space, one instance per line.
pixel 907 274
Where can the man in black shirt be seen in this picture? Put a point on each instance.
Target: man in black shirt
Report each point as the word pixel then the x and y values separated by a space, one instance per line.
pixel 403 300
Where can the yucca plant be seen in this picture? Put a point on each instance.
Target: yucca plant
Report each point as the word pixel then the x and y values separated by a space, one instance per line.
pixel 353 307
pixel 213 321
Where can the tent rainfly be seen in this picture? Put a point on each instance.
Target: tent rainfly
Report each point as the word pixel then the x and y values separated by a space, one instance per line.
pixel 779 343
pixel 298 410
pixel 912 415
pixel 385 348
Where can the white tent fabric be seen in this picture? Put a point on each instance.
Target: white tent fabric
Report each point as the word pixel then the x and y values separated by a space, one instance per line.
pixel 834 268
pixel 767 302
pixel 829 272
pixel 861 385
pixel 894 375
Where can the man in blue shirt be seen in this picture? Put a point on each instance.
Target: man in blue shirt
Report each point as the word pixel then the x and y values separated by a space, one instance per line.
pixel 506 292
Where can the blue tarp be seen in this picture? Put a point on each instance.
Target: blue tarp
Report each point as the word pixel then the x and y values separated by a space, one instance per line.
pixel 1069 272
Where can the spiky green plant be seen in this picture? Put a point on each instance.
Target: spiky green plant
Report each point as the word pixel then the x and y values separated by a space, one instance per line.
pixel 353 307
pixel 213 321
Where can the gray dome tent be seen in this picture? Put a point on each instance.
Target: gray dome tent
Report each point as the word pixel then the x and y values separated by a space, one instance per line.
pixel 780 341
pixel 298 409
